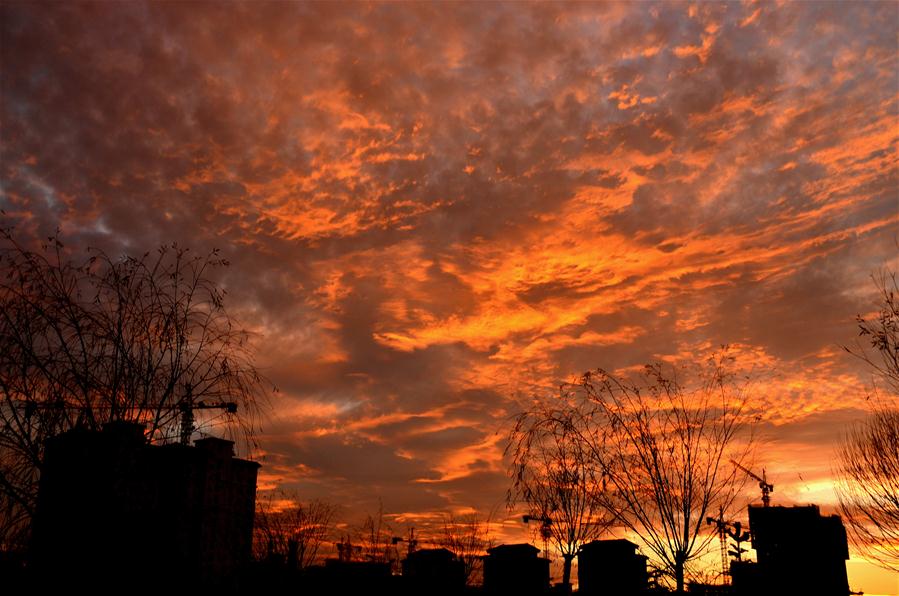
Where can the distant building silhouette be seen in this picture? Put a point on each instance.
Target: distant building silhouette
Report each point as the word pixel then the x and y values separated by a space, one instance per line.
pixel 350 577
pixel 433 571
pixel 611 568
pixel 114 511
pixel 515 569
pixel 799 551
pixel 699 589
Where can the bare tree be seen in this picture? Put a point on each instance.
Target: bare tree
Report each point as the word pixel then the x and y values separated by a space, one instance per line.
pixel 554 475
pixel 868 469
pixel 868 488
pixel 658 450
pixel 467 537
pixel 375 540
pixel 102 339
pixel 291 530
pixel 882 334
pixel 664 449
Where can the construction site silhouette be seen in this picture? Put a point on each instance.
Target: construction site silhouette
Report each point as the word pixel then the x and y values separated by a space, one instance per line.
pixel 116 515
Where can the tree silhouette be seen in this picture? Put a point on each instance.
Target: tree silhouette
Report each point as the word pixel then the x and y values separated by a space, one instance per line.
pixel 882 334
pixel 290 530
pixel 868 469
pixel 868 489
pixel 375 540
pixel 467 537
pixel 553 474
pixel 103 339
pixel 658 450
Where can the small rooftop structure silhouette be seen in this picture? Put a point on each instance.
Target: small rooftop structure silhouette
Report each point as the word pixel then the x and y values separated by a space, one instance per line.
pixel 113 509
pixel 515 569
pixel 611 567
pixel 799 551
pixel 350 577
pixel 434 571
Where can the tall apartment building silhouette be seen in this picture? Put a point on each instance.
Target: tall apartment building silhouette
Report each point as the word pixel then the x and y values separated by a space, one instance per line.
pixel 115 511
pixel 798 551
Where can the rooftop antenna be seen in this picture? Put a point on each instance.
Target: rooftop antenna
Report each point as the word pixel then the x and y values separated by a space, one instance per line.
pixel 739 535
pixel 766 487
pixel 735 531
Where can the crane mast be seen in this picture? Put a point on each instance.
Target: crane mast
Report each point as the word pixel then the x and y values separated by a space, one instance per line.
pixel 735 531
pixel 188 406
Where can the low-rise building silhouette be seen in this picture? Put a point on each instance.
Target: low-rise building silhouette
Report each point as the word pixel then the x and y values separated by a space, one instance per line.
pixel 611 568
pixel 351 577
pixel 113 510
pixel 701 589
pixel 433 571
pixel 515 569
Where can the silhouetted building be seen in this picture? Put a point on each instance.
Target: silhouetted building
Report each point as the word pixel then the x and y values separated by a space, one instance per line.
pixel 799 551
pixel 351 577
pixel 112 509
pixel 611 568
pixel 745 579
pixel 515 569
pixel 710 589
pixel 433 571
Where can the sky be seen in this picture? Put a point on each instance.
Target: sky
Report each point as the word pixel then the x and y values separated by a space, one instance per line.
pixel 434 211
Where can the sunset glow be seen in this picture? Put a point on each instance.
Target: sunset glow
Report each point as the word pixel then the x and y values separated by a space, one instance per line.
pixel 435 211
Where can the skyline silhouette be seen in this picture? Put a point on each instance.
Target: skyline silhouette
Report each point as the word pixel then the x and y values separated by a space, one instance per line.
pixel 113 508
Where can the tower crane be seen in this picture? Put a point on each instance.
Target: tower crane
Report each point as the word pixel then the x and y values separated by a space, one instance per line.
pixel 766 487
pixel 411 542
pixel 721 528
pixel 187 407
pixel 545 528
pixel 726 529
